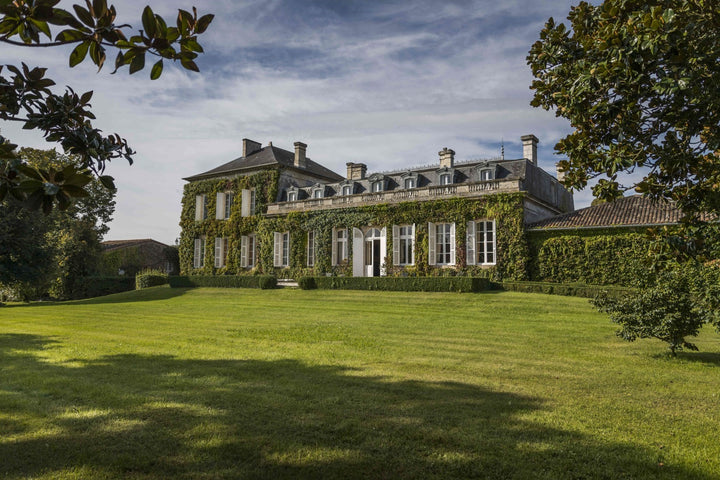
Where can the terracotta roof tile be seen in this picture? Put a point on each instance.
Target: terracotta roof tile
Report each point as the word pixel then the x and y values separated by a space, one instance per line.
pixel 628 211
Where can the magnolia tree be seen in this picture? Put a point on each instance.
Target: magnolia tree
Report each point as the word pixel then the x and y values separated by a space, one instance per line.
pixel 26 93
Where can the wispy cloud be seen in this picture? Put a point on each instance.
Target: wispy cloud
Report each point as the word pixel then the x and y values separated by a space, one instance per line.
pixel 386 83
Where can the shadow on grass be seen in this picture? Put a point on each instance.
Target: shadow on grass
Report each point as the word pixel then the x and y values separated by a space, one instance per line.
pixel 710 358
pixel 132 296
pixel 135 416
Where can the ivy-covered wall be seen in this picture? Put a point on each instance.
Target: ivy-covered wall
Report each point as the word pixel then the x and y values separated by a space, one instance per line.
pixel 506 209
pixel 617 256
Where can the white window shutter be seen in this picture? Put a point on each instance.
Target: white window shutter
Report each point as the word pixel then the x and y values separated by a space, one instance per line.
pixel 334 247
pixel 470 244
pixel 452 244
pixel 358 246
pixel 220 206
pixel 218 252
pixel 431 243
pixel 412 250
pixel 245 205
pixel 396 244
pixel 278 250
pixel 196 256
pixel 198 207
pixel 244 251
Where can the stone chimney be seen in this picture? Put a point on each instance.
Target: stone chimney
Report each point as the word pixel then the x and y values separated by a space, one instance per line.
pixel 530 148
pixel 250 146
pixel 300 149
pixel 447 158
pixel 560 173
pixel 356 171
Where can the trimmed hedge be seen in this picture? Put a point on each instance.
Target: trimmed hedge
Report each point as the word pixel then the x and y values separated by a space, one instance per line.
pixel 265 282
pixel 147 280
pixel 397 284
pixel 567 289
pixel 89 287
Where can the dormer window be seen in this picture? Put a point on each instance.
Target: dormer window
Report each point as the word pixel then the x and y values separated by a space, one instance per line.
pixel 377 186
pixel 292 196
pixel 317 193
pixel 486 174
pixel 409 183
pixel 445 179
pixel 347 190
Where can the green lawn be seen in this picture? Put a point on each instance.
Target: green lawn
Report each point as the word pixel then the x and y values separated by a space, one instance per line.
pixel 235 383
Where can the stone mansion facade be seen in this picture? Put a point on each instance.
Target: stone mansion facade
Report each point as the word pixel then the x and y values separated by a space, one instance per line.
pixel 277 211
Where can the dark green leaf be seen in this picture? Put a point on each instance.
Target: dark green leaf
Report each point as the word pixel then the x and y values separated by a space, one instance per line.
pixel 156 70
pixel 70 36
pixel 189 65
pixel 79 53
pixel 84 16
pixel 148 21
pixel 138 63
pixel 203 23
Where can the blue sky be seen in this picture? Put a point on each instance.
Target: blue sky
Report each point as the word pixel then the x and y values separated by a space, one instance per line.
pixel 385 83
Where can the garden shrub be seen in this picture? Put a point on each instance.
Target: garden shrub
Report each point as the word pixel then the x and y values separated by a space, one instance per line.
pixel 224 281
pixel 666 311
pixel 397 284
pixel 567 289
pixel 150 278
pixel 89 287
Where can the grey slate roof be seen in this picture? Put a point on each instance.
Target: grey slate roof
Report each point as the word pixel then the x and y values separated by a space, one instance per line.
pixel 110 245
pixel 628 211
pixel 266 157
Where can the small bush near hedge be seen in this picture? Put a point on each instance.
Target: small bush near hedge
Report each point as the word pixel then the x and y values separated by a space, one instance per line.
pixel 265 282
pixel 89 287
pixel 150 278
pixel 569 289
pixel 397 284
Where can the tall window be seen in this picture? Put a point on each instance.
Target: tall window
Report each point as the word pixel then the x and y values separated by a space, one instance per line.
pixel 441 243
pixel 403 244
pixel 201 207
pixel 311 249
pixel 409 183
pixel 347 190
pixel 340 246
pixel 248 251
pixel 445 179
pixel 221 249
pixel 199 253
pixel 282 249
pixel 252 202
pixel 228 204
pixel 481 243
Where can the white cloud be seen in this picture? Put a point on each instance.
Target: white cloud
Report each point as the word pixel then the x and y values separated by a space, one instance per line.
pixel 389 86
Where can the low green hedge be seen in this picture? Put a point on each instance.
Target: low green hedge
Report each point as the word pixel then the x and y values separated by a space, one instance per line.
pixel 397 284
pixel 89 287
pixel 147 280
pixel 265 282
pixel 567 289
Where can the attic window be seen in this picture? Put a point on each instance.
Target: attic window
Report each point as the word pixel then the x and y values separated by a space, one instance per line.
pixel 292 196
pixel 486 174
pixel 445 179
pixel 409 183
pixel 318 193
pixel 377 186
pixel 347 190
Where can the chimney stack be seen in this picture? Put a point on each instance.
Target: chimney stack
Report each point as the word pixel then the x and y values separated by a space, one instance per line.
pixel 530 148
pixel 300 149
pixel 356 171
pixel 250 146
pixel 447 158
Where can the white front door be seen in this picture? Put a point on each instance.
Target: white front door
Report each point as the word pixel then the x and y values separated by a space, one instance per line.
pixel 374 252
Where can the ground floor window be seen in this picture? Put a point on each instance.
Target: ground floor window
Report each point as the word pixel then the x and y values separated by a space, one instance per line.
pixel 481 243
pixel 248 250
pixel 441 243
pixel 340 246
pixel 221 249
pixel 199 253
pixel 311 249
pixel 403 244
pixel 281 249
